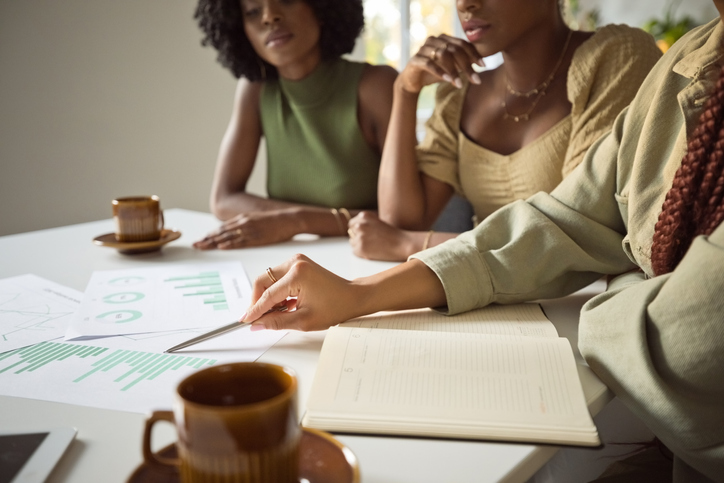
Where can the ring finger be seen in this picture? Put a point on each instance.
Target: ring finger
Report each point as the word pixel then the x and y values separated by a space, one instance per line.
pixel 454 57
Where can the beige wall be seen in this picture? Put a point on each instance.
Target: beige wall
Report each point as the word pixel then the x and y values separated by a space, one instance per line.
pixel 105 98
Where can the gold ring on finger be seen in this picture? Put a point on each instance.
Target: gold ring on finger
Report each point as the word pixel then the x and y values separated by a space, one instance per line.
pixel 239 232
pixel 271 275
pixel 437 53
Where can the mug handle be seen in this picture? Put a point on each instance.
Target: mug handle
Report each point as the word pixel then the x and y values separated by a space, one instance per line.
pixel 151 458
pixel 160 221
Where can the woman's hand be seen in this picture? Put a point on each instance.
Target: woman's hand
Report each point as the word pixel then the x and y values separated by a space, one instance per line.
pixel 252 229
pixel 442 58
pixel 315 299
pixel 374 239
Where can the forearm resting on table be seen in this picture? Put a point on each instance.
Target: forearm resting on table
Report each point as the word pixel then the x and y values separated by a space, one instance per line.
pixel 226 206
pixel 316 220
pixel 422 240
pixel 322 299
pixel 409 285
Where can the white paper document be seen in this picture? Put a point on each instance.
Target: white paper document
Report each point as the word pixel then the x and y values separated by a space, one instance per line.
pixel 127 372
pixel 161 298
pixel 33 310
pixel 124 373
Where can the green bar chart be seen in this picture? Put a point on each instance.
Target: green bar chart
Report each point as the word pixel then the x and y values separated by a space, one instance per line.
pixel 126 369
pixel 205 285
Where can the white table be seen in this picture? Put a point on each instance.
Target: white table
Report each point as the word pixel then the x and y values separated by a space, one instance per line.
pixel 108 445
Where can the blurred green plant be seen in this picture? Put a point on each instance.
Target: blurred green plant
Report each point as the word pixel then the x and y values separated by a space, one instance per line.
pixel 669 29
pixel 579 18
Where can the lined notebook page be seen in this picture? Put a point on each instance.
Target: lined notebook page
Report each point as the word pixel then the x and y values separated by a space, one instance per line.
pixel 460 378
pixel 520 319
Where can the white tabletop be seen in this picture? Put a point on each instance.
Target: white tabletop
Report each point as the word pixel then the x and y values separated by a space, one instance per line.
pixel 108 445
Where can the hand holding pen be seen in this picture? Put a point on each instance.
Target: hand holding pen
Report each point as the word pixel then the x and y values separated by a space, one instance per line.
pixel 263 306
pixel 282 307
pixel 315 298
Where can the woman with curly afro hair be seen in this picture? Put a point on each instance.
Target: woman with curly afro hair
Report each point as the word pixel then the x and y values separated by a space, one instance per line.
pixel 324 118
pixel 646 208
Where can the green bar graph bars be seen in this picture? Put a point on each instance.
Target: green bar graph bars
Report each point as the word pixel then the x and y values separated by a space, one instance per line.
pixel 203 284
pixel 142 366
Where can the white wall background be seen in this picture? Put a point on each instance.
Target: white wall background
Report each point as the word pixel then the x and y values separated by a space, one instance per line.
pixel 107 98
pixel 104 98
pixel 637 12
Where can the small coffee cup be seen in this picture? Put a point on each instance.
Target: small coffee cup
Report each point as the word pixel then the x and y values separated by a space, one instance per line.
pixel 137 218
pixel 236 423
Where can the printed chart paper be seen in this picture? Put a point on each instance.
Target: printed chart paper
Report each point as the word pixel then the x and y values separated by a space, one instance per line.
pixel 124 373
pixel 33 309
pixel 162 298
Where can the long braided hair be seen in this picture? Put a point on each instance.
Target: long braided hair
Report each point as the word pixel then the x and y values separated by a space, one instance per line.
pixel 693 206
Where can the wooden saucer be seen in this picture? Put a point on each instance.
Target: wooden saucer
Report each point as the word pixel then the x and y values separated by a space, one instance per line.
pixel 132 248
pixel 322 459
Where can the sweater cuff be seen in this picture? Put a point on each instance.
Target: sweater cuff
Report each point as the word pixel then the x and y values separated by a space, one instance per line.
pixel 463 273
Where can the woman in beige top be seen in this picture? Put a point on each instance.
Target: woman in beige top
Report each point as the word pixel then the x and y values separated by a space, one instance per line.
pixel 500 135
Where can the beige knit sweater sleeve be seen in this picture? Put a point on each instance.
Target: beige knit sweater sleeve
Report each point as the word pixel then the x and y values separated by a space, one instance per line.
pixel 437 154
pixel 604 76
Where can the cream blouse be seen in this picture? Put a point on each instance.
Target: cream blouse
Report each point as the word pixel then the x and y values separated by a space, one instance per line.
pixel 603 78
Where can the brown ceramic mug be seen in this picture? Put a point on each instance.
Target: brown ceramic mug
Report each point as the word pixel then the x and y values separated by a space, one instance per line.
pixel 137 218
pixel 236 423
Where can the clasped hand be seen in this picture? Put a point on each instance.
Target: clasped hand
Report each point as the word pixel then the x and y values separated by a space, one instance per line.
pixel 374 239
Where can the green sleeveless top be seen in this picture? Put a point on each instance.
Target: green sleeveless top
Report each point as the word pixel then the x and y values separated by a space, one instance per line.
pixel 316 152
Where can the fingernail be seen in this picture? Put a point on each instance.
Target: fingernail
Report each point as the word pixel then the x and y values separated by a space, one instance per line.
pixel 475 78
pixel 458 83
pixel 256 327
pixel 241 319
pixel 447 78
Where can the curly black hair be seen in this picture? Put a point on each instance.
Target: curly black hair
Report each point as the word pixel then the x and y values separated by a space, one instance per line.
pixel 222 23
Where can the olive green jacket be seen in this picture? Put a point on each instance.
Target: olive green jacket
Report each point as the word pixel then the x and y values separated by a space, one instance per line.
pixel 658 343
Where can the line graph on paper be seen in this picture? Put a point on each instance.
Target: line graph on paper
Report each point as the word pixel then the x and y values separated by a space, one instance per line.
pixel 33 309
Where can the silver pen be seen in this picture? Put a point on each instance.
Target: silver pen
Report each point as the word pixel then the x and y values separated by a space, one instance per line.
pixel 208 335
pixel 218 331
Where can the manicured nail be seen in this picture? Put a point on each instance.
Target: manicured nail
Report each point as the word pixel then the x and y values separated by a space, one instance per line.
pixel 448 78
pixel 256 327
pixel 458 83
pixel 475 78
pixel 241 319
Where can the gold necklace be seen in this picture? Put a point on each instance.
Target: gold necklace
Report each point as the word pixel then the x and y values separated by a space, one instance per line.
pixel 538 91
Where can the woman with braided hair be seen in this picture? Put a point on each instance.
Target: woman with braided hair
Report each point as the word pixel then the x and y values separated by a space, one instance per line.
pixel 693 206
pixel 645 208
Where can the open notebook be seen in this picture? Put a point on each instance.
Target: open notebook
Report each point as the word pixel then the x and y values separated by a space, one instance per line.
pixel 498 373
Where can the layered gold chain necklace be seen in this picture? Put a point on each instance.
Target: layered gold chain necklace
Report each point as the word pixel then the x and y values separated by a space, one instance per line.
pixel 539 91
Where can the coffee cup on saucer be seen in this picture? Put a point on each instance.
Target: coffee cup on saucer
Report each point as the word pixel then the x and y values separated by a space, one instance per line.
pixel 236 422
pixel 137 219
